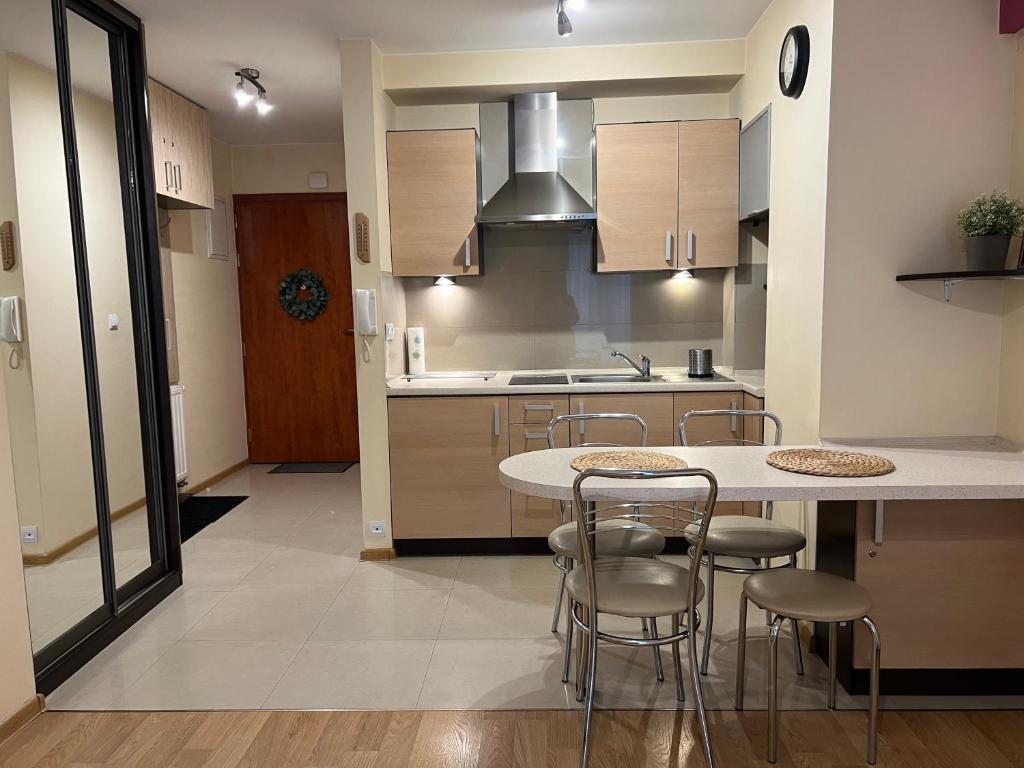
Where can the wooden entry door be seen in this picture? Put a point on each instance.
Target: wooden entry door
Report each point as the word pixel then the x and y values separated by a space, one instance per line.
pixel 300 375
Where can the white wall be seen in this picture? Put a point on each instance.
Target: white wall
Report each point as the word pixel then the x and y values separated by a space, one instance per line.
pixel 209 334
pixel 915 134
pixel 285 168
pixel 18 682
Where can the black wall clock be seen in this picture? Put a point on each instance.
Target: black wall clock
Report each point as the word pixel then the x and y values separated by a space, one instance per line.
pixel 793 61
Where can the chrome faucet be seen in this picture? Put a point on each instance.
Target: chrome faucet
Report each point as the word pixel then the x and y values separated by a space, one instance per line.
pixel 644 369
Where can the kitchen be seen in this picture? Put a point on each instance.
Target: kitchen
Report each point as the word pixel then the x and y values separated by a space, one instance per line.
pixel 684 226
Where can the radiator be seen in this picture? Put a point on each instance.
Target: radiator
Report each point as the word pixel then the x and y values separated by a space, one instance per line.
pixel 178 428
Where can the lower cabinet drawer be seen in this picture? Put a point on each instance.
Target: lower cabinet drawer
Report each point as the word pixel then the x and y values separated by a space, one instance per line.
pixel 525 409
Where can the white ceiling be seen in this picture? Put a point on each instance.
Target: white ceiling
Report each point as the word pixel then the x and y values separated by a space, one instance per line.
pixel 194 46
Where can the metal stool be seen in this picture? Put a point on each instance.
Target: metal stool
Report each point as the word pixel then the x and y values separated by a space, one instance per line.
pixel 809 596
pixel 758 539
pixel 635 587
pixel 626 540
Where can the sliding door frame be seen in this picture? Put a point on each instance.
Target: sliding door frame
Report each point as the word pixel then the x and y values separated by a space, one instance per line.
pixel 124 605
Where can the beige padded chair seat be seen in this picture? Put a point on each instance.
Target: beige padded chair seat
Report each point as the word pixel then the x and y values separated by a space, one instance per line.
pixel 617 538
pixel 808 595
pixel 742 536
pixel 635 587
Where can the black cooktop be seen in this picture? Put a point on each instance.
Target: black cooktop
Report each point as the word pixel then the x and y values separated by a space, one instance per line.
pixel 539 380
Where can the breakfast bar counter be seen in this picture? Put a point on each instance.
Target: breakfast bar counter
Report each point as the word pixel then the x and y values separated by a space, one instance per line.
pixel 937 543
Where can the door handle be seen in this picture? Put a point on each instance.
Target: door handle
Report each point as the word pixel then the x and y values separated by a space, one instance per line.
pixel 167 334
pixel 177 178
pixel 668 247
pixel 349 332
pixel 497 420
pixel 691 245
pixel 168 172
pixel 469 252
pixel 583 424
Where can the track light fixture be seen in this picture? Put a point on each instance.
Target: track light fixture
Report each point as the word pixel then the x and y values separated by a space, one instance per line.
pixel 564 25
pixel 250 76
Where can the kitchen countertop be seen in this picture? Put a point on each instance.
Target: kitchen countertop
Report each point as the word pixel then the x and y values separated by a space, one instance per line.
pixel 751 382
pixel 953 471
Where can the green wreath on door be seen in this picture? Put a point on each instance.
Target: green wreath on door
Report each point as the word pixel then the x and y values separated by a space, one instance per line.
pixel 303 295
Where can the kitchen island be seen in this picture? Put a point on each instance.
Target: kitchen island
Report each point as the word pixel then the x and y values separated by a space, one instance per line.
pixel 937 543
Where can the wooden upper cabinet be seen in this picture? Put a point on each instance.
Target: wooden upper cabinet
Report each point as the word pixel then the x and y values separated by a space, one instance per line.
pixel 182 151
pixel 433 190
pixel 709 161
pixel 445 453
pixel 637 196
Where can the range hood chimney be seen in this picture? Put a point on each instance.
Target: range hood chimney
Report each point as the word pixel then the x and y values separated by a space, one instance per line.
pixel 536 193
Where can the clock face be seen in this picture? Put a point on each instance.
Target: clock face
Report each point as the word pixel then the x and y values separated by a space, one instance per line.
pixel 793 60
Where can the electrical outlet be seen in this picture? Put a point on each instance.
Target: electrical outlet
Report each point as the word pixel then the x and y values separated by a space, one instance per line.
pixel 377 528
pixel 29 534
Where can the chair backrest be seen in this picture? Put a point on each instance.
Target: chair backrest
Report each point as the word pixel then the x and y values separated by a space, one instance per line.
pixel 585 417
pixel 669 516
pixel 765 417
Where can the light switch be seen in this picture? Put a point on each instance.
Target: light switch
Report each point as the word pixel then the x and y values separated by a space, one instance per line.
pixel 389 331
pixel 113 322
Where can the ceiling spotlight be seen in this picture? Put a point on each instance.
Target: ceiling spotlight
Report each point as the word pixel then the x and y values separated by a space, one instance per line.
pixel 242 96
pixel 262 105
pixel 249 76
pixel 564 25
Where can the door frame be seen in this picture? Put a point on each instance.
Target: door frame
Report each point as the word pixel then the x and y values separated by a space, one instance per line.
pixel 279 197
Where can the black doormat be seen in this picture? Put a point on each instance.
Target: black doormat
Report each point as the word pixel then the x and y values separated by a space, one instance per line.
pixel 197 512
pixel 312 467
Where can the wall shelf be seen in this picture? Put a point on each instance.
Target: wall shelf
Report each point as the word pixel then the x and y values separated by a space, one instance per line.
pixel 949 279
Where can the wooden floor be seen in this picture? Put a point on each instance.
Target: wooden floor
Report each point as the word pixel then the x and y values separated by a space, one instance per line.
pixel 535 739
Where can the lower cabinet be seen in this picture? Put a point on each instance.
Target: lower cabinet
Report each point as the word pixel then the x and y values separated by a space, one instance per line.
pixel 653 408
pixel 445 453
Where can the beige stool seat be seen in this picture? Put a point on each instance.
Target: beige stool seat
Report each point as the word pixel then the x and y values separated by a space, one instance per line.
pixel 635 587
pixel 808 595
pixel 619 538
pixel 749 537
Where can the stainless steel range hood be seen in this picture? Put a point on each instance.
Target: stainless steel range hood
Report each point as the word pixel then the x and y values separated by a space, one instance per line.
pixel 536 193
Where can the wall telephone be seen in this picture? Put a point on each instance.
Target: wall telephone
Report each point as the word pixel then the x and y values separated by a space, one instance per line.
pixel 10 320
pixel 366 318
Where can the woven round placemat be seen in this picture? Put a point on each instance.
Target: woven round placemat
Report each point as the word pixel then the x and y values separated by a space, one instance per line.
pixel 826 462
pixel 626 460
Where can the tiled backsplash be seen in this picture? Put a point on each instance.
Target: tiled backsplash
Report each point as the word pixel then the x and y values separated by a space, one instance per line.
pixel 539 305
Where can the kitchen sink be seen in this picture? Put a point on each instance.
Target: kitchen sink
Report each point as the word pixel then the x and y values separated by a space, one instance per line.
pixel 614 378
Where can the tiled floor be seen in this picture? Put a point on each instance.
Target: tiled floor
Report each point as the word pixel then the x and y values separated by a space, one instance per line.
pixel 278 612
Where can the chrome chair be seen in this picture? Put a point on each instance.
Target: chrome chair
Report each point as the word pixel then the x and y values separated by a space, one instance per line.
pixel 809 596
pixel 634 587
pixel 743 538
pixel 624 540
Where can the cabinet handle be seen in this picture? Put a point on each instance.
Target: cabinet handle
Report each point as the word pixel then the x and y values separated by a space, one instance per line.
pixel 668 247
pixel 536 435
pixel 168 172
pixel 469 253
pixel 734 423
pixel 497 420
pixel 583 424
pixel 691 245
pixel 177 178
pixel 539 407
pixel 167 334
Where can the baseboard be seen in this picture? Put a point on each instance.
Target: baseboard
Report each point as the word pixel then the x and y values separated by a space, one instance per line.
pixel 385 553
pixel 25 715
pixel 48 557
pixel 203 485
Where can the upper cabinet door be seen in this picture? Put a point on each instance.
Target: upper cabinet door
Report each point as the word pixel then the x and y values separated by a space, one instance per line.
pixel 637 196
pixel 434 195
pixel 709 158
pixel 182 149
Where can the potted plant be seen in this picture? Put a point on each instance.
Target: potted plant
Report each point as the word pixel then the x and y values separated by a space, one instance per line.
pixel 987 224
